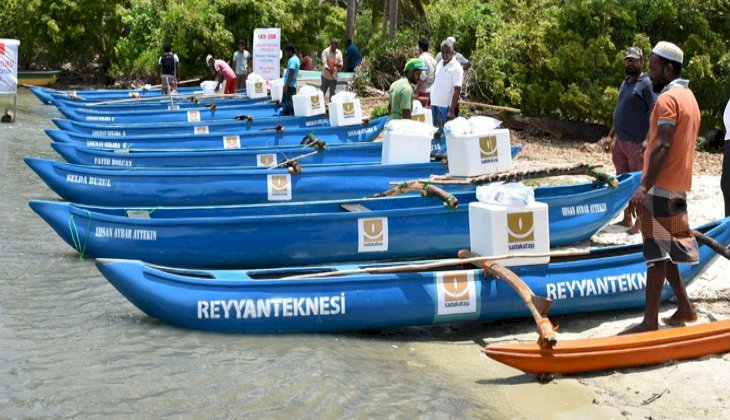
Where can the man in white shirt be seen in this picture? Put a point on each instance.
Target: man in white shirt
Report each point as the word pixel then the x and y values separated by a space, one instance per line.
pixel 725 179
pixel 446 87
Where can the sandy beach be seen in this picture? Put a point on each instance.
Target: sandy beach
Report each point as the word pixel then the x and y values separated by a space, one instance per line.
pixel 690 389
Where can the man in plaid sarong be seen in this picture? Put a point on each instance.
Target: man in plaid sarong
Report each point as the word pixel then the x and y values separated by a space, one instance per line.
pixel 666 179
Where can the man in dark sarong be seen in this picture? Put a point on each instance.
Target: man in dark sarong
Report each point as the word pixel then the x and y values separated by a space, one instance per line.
pixel 666 179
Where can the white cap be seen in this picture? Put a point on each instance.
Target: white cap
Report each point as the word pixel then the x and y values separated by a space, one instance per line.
pixel 451 39
pixel 669 51
pixel 208 57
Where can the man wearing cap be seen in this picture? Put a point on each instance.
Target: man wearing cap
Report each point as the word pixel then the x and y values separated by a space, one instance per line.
pixel 636 100
pixel 666 179
pixel 331 65
pixel 222 72
pixel 725 179
pixel 446 87
pixel 400 95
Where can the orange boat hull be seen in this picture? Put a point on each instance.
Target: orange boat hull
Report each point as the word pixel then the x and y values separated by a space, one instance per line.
pixel 586 355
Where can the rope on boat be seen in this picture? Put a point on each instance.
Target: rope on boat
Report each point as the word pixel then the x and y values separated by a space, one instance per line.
pixel 75 238
pixel 518 175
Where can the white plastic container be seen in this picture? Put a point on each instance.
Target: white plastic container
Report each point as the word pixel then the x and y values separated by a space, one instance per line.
pixel 407 141
pixel 306 105
pixel 277 89
pixel 256 89
pixel 479 153
pixel 345 113
pixel 498 230
pixel 421 114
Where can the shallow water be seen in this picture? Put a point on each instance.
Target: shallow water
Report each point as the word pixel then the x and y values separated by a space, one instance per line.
pixel 71 346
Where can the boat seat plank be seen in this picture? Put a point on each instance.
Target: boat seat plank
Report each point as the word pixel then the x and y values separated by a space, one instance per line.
pixel 354 208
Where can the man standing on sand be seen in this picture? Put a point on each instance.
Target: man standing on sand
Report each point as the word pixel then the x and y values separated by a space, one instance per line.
pixel 290 80
pixel 222 72
pixel 169 66
pixel 331 65
pixel 446 87
pixel 666 179
pixel 636 100
pixel 240 63
pixel 400 95
pixel 725 178
pixel 425 82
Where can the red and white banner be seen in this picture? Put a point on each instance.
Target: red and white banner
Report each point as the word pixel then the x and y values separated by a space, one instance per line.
pixel 267 52
pixel 9 65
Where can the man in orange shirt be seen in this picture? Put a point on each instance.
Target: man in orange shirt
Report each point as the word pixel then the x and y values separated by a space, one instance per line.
pixel 666 179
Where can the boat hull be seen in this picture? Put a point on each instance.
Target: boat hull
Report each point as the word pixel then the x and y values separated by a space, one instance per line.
pixel 37 78
pixel 631 350
pixel 261 301
pixel 307 233
pixel 152 116
pixel 187 128
pixel 226 140
pixel 45 95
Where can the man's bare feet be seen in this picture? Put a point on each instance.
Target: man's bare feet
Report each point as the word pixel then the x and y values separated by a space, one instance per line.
pixel 639 328
pixel 624 223
pixel 678 319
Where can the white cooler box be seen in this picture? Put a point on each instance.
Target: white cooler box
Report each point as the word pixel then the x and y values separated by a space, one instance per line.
pixel 256 89
pixel 277 89
pixel 307 105
pixel 345 113
pixel 479 153
pixel 499 230
pixel 410 143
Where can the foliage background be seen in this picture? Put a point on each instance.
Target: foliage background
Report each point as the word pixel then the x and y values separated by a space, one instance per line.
pixel 555 58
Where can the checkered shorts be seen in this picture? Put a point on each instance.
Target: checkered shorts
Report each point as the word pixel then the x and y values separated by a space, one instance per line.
pixel 665 228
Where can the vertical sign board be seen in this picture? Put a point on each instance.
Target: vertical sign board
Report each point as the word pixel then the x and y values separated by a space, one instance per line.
pixel 9 69
pixel 9 66
pixel 267 52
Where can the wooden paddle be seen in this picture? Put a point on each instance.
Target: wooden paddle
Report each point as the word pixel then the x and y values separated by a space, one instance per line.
pixel 713 244
pixel 426 189
pixel 184 82
pixel 495 107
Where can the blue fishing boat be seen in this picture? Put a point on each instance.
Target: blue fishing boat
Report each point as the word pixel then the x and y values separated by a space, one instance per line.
pixel 230 140
pixel 183 127
pixel 351 298
pixel 163 103
pixel 270 235
pixel 366 152
pixel 198 186
pixel 46 94
pixel 197 115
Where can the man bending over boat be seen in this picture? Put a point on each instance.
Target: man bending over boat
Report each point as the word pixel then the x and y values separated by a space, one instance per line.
pixel 400 95
pixel 223 72
pixel 666 179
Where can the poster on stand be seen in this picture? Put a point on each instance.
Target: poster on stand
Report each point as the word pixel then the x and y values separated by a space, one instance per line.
pixel 267 52
pixel 9 65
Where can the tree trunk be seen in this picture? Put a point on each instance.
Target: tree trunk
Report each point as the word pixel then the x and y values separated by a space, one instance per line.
pixel 393 16
pixel 386 8
pixel 350 26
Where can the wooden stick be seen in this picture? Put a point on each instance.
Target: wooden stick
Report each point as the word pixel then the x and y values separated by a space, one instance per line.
pixel 184 82
pixel 537 305
pixel 294 159
pixel 426 189
pixel 713 244
pixel 428 266
pixel 497 107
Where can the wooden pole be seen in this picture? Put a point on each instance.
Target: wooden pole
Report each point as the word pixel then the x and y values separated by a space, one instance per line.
pixel 496 107
pixel 431 265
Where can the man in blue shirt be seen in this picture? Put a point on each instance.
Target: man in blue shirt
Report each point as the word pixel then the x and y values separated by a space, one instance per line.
pixel 290 80
pixel 636 99
pixel 353 56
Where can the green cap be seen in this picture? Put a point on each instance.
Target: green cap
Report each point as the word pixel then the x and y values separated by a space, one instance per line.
pixel 415 64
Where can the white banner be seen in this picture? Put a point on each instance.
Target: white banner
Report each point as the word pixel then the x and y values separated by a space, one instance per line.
pixel 9 65
pixel 267 52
